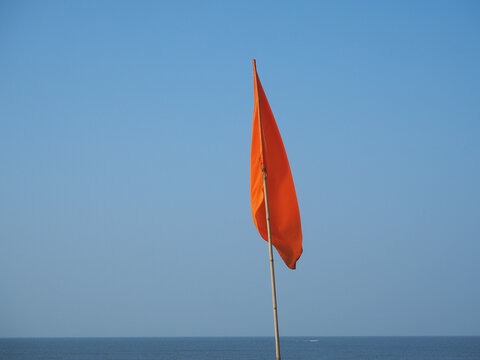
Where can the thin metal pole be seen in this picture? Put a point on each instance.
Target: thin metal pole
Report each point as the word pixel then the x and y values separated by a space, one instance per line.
pixel 272 270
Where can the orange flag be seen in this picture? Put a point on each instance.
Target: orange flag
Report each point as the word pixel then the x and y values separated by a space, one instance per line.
pixel 268 155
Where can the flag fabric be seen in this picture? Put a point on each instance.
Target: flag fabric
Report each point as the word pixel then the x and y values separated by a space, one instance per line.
pixel 268 155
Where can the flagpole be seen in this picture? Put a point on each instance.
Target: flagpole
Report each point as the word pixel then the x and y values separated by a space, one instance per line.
pixel 272 270
pixel 267 214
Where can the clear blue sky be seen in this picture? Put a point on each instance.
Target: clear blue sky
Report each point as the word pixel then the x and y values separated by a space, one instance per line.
pixel 124 167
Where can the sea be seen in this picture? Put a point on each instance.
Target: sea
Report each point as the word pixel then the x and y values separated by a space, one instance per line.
pixel 236 348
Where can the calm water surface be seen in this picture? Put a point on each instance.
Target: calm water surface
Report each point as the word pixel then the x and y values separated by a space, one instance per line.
pixel 305 348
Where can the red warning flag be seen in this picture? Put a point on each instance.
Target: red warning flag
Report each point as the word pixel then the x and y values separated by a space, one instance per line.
pixel 268 155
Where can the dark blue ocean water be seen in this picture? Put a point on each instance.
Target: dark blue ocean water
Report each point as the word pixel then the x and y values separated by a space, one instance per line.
pixel 305 348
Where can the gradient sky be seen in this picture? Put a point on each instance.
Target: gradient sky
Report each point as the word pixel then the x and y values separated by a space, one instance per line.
pixel 125 131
